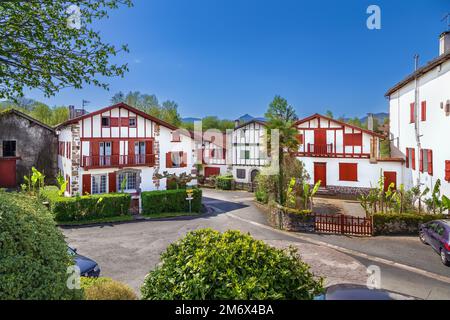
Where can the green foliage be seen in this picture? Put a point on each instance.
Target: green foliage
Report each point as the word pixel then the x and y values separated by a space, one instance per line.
pixel 385 148
pixel 123 184
pixel 33 253
pixel 207 264
pixel 34 182
pixel 154 202
pixel 85 208
pixel 401 223
pixel 224 182
pixel 176 181
pixel 149 103
pixel 211 123
pixel 41 50
pixel 106 289
pixel 62 184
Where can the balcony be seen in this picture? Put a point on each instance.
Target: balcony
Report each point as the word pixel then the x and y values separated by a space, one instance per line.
pixel 95 162
pixel 320 149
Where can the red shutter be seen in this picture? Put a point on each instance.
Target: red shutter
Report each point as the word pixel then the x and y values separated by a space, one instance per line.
pixel 112 182
pixel 430 162
pixel 224 153
pixel 447 170
pixel 407 157
pixel 421 160
pixel 423 111
pixel 131 157
pixel 86 184
pixel 413 158
pixel 411 113
pixel 348 171
pixel 115 152
pixel 169 160
pixel 184 161
pixel 149 152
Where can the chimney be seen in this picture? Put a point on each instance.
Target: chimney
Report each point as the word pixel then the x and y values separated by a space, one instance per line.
pixel 71 112
pixel 370 121
pixel 236 123
pixel 444 43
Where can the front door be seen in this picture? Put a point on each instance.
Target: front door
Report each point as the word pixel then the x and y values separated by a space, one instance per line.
pixel 8 173
pixel 390 177
pixel 320 173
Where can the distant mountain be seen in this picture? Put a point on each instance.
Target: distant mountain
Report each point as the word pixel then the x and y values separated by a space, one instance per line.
pixel 379 116
pixel 246 118
pixel 190 120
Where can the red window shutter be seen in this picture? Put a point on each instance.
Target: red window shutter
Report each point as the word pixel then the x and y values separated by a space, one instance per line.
pixel 413 158
pixel 447 170
pixel 149 147
pixel 86 184
pixel 411 113
pixel 348 171
pixel 112 182
pixel 423 113
pixel 169 160
pixel 407 157
pixel 95 148
pixel 131 147
pixel 421 160
pixel 430 162
pixel 184 162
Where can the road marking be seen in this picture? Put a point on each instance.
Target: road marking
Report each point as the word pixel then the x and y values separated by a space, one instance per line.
pixel 348 251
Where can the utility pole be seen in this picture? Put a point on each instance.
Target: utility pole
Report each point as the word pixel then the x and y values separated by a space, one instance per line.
pixel 416 111
pixel 447 19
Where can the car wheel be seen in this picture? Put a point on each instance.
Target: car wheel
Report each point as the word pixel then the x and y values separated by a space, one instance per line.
pixel 422 237
pixel 444 258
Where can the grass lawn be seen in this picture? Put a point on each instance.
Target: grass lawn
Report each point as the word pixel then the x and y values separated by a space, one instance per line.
pixel 94 221
pixel 170 215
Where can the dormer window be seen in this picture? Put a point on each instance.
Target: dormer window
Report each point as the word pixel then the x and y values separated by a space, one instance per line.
pixel 105 122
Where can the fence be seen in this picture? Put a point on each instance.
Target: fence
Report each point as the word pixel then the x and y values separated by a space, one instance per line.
pixel 342 224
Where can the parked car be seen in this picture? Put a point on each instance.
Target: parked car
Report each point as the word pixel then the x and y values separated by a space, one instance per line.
pixel 437 235
pixel 360 292
pixel 88 267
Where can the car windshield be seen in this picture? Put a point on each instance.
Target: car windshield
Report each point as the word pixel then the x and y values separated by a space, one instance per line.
pixel 71 251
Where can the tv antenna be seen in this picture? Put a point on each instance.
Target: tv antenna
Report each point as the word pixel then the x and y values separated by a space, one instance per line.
pixel 446 18
pixel 84 103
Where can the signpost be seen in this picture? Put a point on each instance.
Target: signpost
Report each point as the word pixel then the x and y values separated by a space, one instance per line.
pixel 190 197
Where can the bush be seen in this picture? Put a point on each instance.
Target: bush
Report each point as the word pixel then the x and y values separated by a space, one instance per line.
pixel 207 264
pixel 86 208
pixel 401 223
pixel 106 289
pixel 262 196
pixel 33 253
pixel 224 182
pixel 170 201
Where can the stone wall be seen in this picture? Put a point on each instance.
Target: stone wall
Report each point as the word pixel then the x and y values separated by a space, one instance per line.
pixel 348 191
pixel 76 159
pixel 36 146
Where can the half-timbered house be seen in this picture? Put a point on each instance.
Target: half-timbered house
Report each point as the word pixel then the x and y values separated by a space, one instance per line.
pixel 98 151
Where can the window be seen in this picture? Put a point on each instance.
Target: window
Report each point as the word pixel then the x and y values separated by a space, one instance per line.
pixel 139 152
pixel 99 184
pixel 348 171
pixel 412 115
pixel 423 111
pixel 176 159
pixel 217 153
pixel 353 139
pixel 105 153
pixel 426 161
pixel 245 154
pixel 240 173
pixel 131 180
pixel 105 122
pixel 132 122
pixel 176 136
pixel 411 158
pixel 9 148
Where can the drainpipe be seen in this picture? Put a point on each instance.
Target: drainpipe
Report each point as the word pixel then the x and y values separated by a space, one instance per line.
pixel 416 112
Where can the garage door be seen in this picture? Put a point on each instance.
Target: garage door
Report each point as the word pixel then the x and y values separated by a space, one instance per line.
pixel 211 171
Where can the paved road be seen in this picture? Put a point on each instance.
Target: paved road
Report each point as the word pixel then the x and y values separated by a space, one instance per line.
pixel 126 252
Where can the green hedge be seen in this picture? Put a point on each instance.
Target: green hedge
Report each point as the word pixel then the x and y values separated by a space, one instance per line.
pixel 207 265
pixel 224 182
pixel 170 201
pixel 85 208
pixel 33 252
pixel 404 223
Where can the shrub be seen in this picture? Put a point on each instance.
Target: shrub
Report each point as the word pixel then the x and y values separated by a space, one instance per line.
pixel 106 289
pixel 262 196
pixel 207 264
pixel 224 182
pixel 170 201
pixel 33 253
pixel 88 207
pixel 401 223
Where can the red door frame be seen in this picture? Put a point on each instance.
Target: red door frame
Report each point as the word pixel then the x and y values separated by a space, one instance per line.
pixel 320 173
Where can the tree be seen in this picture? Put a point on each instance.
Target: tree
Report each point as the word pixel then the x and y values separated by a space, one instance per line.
pixel 170 112
pixel 329 114
pixel 281 116
pixel 42 112
pixel 60 114
pixel 44 47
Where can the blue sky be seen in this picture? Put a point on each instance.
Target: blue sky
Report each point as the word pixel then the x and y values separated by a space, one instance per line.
pixel 230 57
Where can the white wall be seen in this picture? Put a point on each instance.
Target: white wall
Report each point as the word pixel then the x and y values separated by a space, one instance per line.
pixel 65 164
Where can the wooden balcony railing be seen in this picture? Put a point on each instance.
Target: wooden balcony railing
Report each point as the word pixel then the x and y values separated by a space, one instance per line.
pixel 320 149
pixel 118 161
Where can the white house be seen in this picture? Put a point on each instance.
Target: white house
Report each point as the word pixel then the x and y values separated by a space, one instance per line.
pixel 248 150
pixel 98 150
pixel 419 108
pixel 346 159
